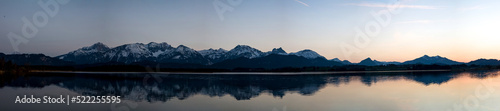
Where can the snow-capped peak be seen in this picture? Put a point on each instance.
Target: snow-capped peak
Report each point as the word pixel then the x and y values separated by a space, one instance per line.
pixel 134 52
pixel 309 54
pixel 97 47
pixel 184 49
pixel 182 53
pixel 136 48
pixel 213 53
pixel 158 45
pixel 245 51
pixel 278 51
pixel 242 47
pixel 158 48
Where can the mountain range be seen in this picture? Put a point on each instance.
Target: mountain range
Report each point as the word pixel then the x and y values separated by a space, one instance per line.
pixel 165 53
pixel 241 56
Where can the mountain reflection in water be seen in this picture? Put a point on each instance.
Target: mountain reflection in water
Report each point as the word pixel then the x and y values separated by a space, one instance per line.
pixel 163 87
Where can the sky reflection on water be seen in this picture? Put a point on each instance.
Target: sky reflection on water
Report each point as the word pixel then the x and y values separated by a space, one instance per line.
pixel 421 91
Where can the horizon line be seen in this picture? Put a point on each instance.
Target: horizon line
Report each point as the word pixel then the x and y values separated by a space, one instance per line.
pixel 437 55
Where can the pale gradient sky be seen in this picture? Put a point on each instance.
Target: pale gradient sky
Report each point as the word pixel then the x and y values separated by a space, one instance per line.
pixel 462 30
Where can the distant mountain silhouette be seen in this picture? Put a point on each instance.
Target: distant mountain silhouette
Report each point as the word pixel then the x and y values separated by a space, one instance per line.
pixel 427 60
pixel 485 62
pixel 345 62
pixel 386 63
pixel 368 62
pixel 33 59
pixel 278 51
pixel 309 54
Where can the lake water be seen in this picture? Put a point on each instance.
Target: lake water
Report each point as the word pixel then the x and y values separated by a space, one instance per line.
pixel 387 91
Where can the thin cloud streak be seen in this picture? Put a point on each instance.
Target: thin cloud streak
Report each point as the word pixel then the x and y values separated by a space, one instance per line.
pixel 478 7
pixel 381 5
pixel 302 3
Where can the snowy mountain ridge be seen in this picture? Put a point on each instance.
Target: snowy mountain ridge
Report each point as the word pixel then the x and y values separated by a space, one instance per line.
pixel 163 52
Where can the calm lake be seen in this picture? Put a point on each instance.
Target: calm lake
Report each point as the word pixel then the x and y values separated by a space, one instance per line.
pixel 383 91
